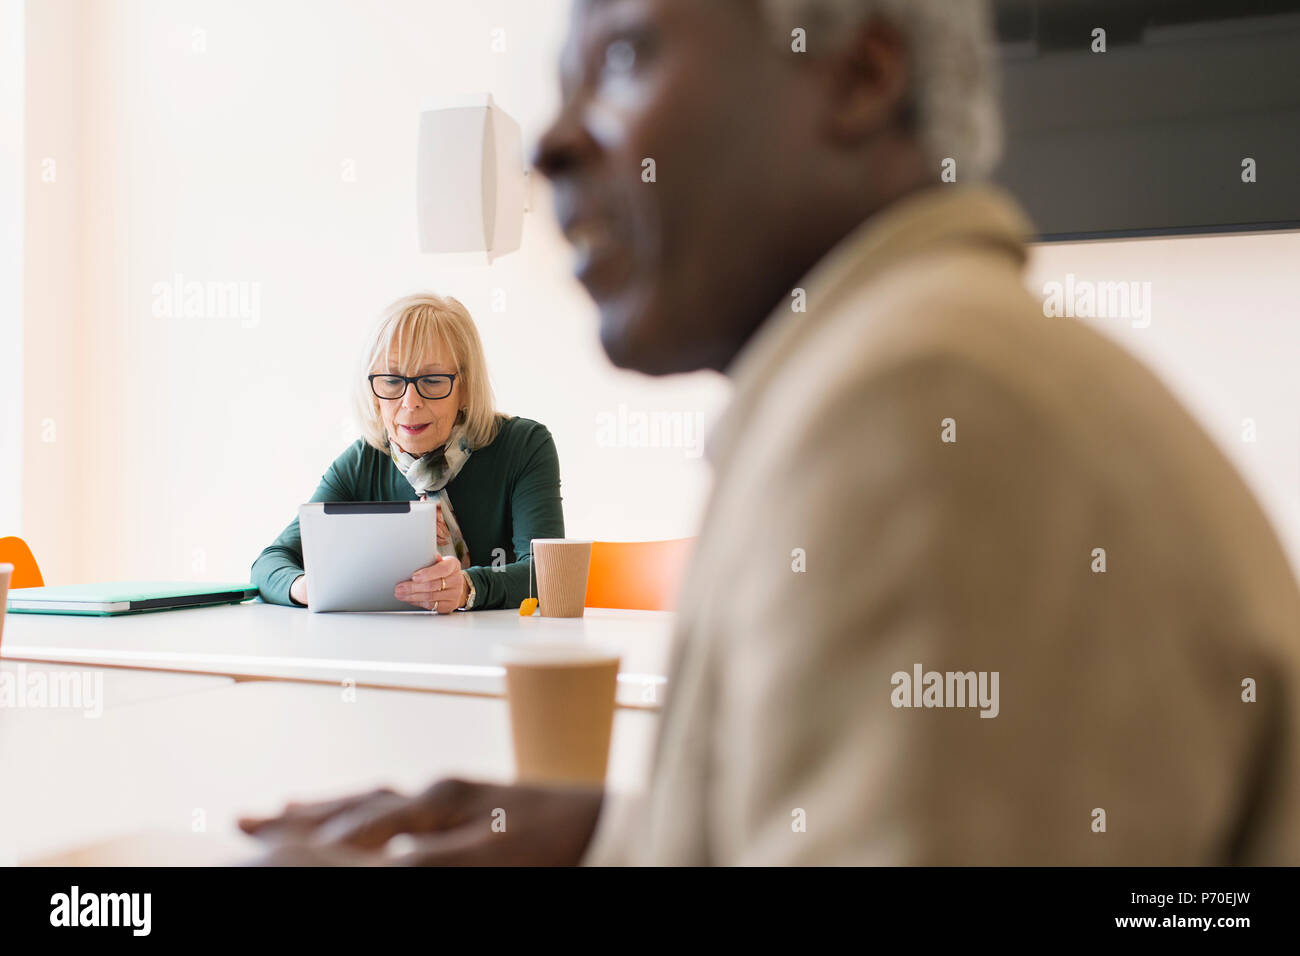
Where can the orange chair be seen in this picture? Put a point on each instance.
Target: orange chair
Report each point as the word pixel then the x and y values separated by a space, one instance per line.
pixel 26 572
pixel 638 575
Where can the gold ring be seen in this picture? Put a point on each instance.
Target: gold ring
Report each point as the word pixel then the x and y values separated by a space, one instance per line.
pixel 444 585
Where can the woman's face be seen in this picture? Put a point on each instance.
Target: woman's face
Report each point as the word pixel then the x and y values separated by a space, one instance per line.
pixel 416 424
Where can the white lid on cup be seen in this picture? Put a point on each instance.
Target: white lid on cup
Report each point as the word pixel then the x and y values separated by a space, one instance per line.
pixel 554 653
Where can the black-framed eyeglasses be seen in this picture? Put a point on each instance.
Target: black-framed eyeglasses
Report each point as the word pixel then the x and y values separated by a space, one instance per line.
pixel 392 387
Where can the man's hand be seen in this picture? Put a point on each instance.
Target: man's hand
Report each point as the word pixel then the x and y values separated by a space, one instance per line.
pixel 439 587
pixel 453 822
pixel 298 590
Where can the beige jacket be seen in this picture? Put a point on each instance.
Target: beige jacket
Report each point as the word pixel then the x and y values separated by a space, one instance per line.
pixel 847 542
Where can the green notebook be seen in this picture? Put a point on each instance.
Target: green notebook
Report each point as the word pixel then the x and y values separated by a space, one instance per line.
pixel 125 597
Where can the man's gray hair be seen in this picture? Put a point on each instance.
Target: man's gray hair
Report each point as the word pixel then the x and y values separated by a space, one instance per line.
pixel 955 81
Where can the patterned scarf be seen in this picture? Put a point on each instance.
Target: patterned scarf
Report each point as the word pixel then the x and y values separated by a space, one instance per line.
pixel 429 475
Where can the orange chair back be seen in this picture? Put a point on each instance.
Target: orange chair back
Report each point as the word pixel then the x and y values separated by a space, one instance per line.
pixel 26 572
pixel 638 575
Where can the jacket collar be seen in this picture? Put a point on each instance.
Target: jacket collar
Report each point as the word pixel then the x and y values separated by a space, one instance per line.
pixel 982 215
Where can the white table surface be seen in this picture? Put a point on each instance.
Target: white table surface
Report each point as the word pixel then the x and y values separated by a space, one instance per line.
pixel 40 691
pixel 163 764
pixel 415 650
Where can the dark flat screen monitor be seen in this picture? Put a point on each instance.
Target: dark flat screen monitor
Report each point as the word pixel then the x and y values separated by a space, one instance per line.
pixel 1152 136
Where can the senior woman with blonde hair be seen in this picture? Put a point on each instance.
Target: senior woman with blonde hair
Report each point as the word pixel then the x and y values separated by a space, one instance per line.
pixel 430 429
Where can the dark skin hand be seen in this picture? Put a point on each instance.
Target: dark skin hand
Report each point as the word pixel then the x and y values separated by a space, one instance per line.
pixel 765 159
pixel 452 823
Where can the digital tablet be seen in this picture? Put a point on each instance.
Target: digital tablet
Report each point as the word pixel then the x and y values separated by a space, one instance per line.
pixel 355 552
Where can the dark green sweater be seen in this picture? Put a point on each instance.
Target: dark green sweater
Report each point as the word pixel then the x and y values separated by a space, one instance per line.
pixel 506 494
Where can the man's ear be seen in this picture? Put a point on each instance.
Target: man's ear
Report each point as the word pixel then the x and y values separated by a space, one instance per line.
pixel 868 79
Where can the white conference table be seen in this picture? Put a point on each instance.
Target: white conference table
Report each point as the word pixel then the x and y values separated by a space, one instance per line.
pixel 177 764
pixel 416 650
pixel 86 692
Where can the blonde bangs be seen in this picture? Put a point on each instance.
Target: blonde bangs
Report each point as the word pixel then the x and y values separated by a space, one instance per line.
pixel 409 329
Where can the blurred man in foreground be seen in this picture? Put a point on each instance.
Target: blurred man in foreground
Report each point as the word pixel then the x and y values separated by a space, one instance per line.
pixel 972 587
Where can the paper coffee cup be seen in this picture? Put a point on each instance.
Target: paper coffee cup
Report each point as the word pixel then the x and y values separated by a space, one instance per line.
pixel 561 698
pixel 6 572
pixel 562 565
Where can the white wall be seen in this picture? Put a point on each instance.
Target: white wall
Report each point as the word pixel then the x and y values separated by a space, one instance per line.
pixel 209 139
pixel 215 138
pixel 11 264
pixel 61 482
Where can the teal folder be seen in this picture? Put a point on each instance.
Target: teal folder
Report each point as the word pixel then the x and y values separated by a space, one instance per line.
pixel 125 597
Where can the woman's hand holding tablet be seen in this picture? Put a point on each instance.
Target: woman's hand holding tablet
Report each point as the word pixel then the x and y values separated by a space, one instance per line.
pixel 440 587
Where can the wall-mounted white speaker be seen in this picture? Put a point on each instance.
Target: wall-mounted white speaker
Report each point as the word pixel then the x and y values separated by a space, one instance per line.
pixel 472 178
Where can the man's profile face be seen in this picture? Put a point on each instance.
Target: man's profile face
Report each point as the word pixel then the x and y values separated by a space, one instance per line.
pixel 668 161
